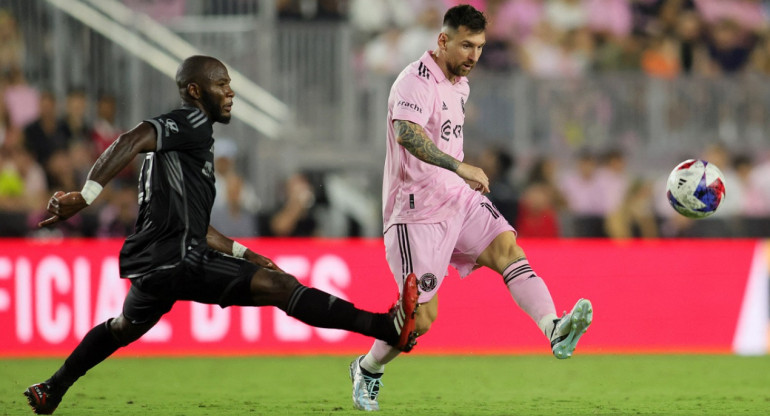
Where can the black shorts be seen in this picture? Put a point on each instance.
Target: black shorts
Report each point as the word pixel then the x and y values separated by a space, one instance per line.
pixel 204 276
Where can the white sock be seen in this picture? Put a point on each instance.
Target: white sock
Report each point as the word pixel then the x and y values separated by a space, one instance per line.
pixel 547 323
pixel 371 365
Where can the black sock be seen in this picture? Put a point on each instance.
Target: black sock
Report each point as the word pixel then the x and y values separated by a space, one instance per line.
pixel 96 346
pixel 321 309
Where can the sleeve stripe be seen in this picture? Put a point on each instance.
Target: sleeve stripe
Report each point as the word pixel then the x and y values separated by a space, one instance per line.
pixel 158 132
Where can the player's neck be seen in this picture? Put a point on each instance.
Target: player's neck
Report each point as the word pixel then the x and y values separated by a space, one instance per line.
pixel 442 65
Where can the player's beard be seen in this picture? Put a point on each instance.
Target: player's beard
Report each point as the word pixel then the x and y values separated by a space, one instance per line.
pixel 215 110
pixel 459 71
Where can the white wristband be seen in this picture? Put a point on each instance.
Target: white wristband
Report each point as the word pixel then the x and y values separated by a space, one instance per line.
pixel 238 249
pixel 90 191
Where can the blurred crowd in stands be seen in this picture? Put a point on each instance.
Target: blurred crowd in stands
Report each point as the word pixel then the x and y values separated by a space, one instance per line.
pixel 48 143
pixel 568 38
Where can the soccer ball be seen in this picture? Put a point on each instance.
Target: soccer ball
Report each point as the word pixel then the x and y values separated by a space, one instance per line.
pixel 695 188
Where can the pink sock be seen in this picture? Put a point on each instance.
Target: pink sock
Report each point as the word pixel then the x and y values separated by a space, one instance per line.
pixel 380 354
pixel 529 290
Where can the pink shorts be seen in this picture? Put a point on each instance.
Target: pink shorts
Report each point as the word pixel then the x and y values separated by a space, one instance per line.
pixel 427 250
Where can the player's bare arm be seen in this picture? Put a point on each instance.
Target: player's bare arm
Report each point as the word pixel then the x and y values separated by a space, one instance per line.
pixel 121 152
pixel 412 136
pixel 223 244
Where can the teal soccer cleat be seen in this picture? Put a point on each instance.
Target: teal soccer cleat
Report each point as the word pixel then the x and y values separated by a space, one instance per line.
pixel 570 328
pixel 366 387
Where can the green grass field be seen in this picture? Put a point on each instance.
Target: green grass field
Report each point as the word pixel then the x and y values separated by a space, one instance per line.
pixel 414 385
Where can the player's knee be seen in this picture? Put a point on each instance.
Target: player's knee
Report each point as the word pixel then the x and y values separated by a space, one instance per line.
pixel 124 331
pixel 270 287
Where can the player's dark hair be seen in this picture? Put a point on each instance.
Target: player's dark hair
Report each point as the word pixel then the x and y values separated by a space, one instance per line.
pixel 465 15
pixel 193 70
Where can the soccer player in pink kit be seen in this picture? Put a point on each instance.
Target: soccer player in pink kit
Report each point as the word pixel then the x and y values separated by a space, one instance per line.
pixel 434 208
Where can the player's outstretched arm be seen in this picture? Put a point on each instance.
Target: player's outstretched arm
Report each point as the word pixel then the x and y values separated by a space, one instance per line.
pixel 222 244
pixel 414 139
pixel 121 152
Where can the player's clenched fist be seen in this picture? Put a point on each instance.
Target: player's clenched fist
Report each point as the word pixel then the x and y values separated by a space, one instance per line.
pixel 62 206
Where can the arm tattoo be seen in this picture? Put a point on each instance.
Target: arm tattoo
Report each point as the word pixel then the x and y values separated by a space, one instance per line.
pixel 414 139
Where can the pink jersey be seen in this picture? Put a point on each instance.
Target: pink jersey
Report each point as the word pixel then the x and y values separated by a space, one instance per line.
pixel 414 191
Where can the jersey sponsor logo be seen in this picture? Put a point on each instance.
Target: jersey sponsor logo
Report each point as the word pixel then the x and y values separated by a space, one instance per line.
pixel 208 169
pixel 443 106
pixel 427 282
pixel 462 104
pixel 412 106
pixel 458 131
pixel 171 127
pixel 447 130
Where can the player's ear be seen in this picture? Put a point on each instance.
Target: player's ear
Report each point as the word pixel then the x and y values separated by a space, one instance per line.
pixel 193 90
pixel 443 38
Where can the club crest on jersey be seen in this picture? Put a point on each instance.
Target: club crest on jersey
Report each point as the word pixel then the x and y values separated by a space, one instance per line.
pixel 427 282
pixel 171 127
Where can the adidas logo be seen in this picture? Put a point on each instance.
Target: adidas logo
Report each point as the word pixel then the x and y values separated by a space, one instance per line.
pixel 443 106
pixel 400 316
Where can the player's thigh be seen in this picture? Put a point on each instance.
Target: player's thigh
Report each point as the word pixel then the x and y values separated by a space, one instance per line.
pixel 213 278
pixel 486 238
pixel 422 249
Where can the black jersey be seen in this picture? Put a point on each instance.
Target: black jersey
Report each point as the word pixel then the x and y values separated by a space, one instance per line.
pixel 176 193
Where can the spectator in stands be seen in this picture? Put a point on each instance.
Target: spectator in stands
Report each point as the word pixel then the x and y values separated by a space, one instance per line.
pixel 585 195
pixel 614 177
pixel 693 55
pixel 748 190
pixel 10 135
pixel 372 17
pixel 566 15
pixel 236 204
pixel 634 217
pixel 296 216
pixel 608 17
pixel 11 43
pixel 21 99
pixel 499 51
pixel 78 133
pixel 74 122
pixel 660 58
pixel 498 164
pixel 117 216
pixel 379 54
pixel 43 136
pixel 729 46
pixel 541 202
pixel 105 129
pixel 22 189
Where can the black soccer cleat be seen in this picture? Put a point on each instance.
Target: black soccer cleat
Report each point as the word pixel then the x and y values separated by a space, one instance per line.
pixel 41 398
